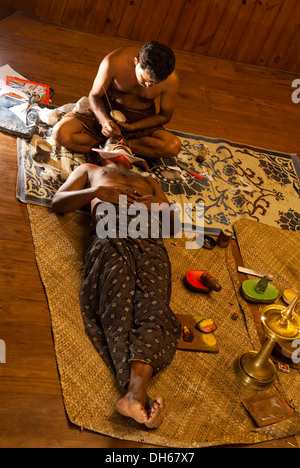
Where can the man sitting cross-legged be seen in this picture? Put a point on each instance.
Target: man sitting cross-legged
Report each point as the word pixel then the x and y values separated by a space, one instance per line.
pixel 126 288
pixel 141 84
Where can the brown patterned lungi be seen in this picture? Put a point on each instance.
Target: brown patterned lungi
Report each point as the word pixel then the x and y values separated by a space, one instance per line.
pixel 125 303
pixel 90 122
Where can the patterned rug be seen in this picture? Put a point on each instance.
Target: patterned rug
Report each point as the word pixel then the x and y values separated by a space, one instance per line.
pixel 238 181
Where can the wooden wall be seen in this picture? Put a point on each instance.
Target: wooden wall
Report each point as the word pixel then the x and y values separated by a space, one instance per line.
pixel 260 32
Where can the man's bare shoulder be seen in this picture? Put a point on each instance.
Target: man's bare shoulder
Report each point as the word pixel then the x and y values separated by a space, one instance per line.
pixel 85 167
pixel 172 82
pixel 88 169
pixel 124 54
pixel 153 182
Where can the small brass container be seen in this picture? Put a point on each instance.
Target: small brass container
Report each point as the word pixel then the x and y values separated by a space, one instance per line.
pixel 43 151
pixel 118 116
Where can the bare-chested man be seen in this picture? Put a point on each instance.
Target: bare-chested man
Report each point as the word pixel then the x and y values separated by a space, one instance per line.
pixel 133 79
pixel 126 286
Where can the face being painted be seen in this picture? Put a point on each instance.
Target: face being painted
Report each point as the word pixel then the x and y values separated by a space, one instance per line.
pixel 117 151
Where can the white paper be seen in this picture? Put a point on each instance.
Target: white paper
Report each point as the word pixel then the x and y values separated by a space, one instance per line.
pixel 5 71
pixel 8 89
pixel 20 111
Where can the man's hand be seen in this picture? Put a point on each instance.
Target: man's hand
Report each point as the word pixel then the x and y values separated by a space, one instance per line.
pixel 147 200
pixel 110 129
pixel 126 126
pixel 111 194
pixel 143 164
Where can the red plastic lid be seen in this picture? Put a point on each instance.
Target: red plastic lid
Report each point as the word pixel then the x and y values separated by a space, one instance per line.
pixel 193 278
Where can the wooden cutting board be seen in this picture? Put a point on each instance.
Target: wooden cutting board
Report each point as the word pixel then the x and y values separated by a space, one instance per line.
pixel 200 341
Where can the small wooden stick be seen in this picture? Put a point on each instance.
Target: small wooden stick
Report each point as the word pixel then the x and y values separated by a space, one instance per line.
pixel 106 95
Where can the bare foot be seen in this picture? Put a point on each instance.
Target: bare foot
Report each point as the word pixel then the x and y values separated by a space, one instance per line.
pixel 135 408
pixel 157 407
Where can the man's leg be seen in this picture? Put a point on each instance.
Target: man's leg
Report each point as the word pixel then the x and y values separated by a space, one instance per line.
pixel 136 403
pixel 161 144
pixel 155 332
pixel 70 133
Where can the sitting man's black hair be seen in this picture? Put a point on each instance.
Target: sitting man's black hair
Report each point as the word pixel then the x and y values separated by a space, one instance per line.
pixel 158 60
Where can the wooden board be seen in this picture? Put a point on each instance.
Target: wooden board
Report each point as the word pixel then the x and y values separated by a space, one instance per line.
pixel 262 33
pixel 268 408
pixel 198 344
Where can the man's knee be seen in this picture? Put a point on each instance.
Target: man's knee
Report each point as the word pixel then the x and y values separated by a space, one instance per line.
pixel 64 134
pixel 60 135
pixel 172 147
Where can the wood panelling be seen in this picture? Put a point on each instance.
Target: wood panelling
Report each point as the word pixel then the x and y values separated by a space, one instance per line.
pixel 259 32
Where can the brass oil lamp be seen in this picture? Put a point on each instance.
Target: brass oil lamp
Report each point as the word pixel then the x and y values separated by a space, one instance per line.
pixel 280 324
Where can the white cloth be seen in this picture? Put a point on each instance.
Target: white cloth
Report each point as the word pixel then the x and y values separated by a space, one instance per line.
pixel 52 116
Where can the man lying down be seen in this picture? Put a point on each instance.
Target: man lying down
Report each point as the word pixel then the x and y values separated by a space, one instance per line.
pixel 125 297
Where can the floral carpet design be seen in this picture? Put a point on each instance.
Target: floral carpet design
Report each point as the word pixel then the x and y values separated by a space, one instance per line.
pixel 236 181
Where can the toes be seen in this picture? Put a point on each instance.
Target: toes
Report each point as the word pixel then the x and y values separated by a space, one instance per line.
pixel 144 415
pixel 157 404
pixel 132 409
pixel 154 407
pixel 155 414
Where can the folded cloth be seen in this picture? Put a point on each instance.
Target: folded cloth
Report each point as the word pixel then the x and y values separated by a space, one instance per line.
pixel 51 116
pixel 125 304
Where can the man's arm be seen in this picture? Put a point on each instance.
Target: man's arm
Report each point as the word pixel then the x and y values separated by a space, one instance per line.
pixel 167 106
pixel 73 194
pixel 97 95
pixel 168 98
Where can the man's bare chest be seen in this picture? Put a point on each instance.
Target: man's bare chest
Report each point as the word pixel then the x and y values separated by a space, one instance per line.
pixel 123 180
pixel 131 89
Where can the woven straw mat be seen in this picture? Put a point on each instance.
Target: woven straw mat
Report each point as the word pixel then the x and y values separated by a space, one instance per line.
pixel 203 396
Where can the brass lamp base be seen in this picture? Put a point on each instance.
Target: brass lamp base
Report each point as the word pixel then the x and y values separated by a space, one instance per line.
pixel 256 377
pixel 280 324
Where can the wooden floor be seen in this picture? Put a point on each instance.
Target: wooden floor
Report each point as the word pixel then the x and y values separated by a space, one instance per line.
pixel 217 98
